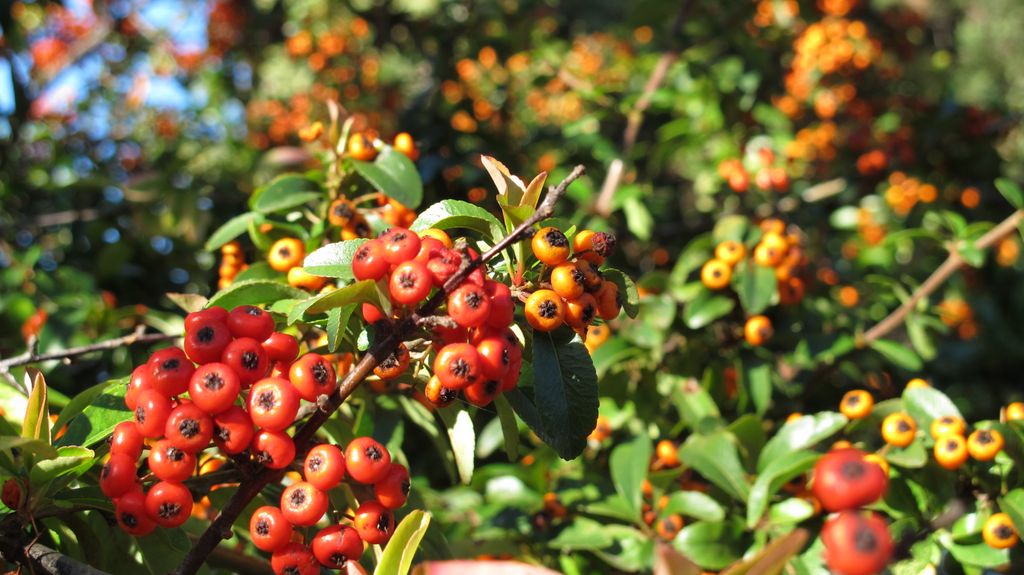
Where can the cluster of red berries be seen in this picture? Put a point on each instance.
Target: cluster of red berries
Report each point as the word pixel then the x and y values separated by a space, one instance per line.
pixel 304 503
pixel 578 293
pixel 480 356
pixel 244 387
pixel 857 542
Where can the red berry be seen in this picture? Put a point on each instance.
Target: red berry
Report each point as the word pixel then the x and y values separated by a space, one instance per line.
pixel 844 480
pixel 151 411
pixel 312 375
pixel 214 387
pixel 503 307
pixel 247 357
pixel 169 504
pixel 126 440
pixel 189 428
pixel 374 522
pixel 495 357
pixel 294 559
pixel 430 248
pixel 250 321
pixel 141 379
pixel 324 467
pixel 11 494
pixel 511 379
pixel 369 262
pixel 410 283
pixel 856 543
pixel 457 365
pixel 206 341
pixel 400 245
pixel 444 266
pixel 273 449
pixel 214 313
pixel 372 314
pixel 269 529
pixel 302 504
pixel 233 430
pixel 117 475
pixel 469 305
pixel 281 347
pixel 366 460
pixel 393 490
pixel 171 463
pixel 336 545
pixel 131 514
pixel 273 403
pixel 170 370
pixel 483 392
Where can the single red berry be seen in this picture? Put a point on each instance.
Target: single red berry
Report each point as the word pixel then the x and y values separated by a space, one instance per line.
pixel 273 403
pixel 367 461
pixel 410 283
pixel 393 490
pixel 131 514
pixel 400 245
pixel 171 463
pixel 469 305
pixel 324 467
pixel 214 387
pixel 312 376
pixel 233 430
pixel 511 379
pixel 372 314
pixel 151 411
pixel 214 313
pixel 250 321
pixel 189 428
pixel 856 543
pixel 495 357
pixel 117 475
pixel 294 559
pixel 11 494
pixel 268 529
pixel 444 266
pixel 457 365
pixel 169 504
pixel 281 347
pixel 843 479
pixel 369 262
pixel 503 307
pixel 302 504
pixel 126 440
pixel 206 341
pixel 247 357
pixel 430 248
pixel 273 449
pixel 483 392
pixel 336 545
pixel 170 370
pixel 374 522
pixel 141 379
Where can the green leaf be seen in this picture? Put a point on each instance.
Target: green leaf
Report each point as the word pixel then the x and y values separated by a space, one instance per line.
pixel 84 400
pixel 98 420
pixel 283 193
pixel 509 427
pixel 41 448
pixel 511 189
pixel 913 456
pixel 628 469
pixel 399 553
pixel 232 228
pixel 366 291
pixel 638 218
pixel 333 260
pixel 799 435
pixel 395 175
pixel 1011 191
pixel 565 392
pixel 627 290
pixel 337 322
pixel 772 478
pixel 755 285
pixel 693 402
pixel 711 545
pixel 448 214
pixel 705 308
pixel 694 504
pixel 978 554
pixel 163 550
pixel 1012 504
pixel 463 439
pixel 756 377
pixel 790 511
pixel 898 354
pixel 730 228
pixel 254 292
pixel 582 534
pixel 927 403
pixel 36 424
pixel 714 456
pixel 188 302
pixel 70 460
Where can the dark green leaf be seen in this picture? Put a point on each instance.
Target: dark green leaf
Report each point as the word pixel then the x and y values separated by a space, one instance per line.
pixel 565 391
pixel 730 228
pixel 283 193
pixel 927 403
pixel 333 260
pixel 755 285
pixel 799 435
pixel 705 308
pixel 83 400
pixel 448 214
pixel 692 401
pixel 898 354
pixel 772 478
pixel 628 470
pixel 254 292
pixel 913 456
pixel 714 456
pixel 1011 191
pixel 627 290
pixel 509 427
pixel 232 228
pixel 395 175
pixel 1012 504
pixel 70 460
pixel 163 550
pixel 711 545
pixel 583 533
pixel 757 381
pixel 98 420
pixel 694 504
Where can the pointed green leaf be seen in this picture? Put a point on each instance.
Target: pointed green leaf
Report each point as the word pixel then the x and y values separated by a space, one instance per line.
pixel 715 457
pixel 232 228
pixel 254 292
pixel 755 285
pixel 705 308
pixel 629 469
pixel 333 260
pixel 448 214
pixel 395 175
pixel 565 393
pixel 804 433
pixel 283 193
pixel 399 553
pixel 772 478
pixel 37 413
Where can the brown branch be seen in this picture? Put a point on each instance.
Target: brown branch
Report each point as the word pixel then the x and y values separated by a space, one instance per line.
pixel 135 337
pixel 954 261
pixel 635 117
pixel 221 527
pixel 42 559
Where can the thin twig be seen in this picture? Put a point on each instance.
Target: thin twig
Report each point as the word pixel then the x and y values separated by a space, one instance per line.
pixel 221 527
pixel 135 337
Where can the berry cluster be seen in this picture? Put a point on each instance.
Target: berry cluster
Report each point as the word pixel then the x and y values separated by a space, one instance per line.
pixel 480 355
pixel 304 503
pixel 232 263
pixel 244 384
pixel 286 255
pixel 578 293
pixel 769 176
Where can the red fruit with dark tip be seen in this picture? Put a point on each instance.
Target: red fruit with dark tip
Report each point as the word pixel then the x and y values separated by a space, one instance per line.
pixel 294 559
pixel 483 392
pixel 503 307
pixel 117 475
pixel 170 371
pixel 324 467
pixel 169 504
pixel 171 463
pixel 374 522
pixel 443 266
pixel 189 427
pixel 273 403
pixel 215 313
pixel 469 305
pixel 233 430
pixel 268 529
pixel 393 490
pixel 312 376
pixel 856 543
pixel 281 347
pixel 495 357
pixel 126 440
pixel 400 245
pixel 372 314
pixel 140 380
pixel 248 359
pixel 366 460
pixel 214 387
pixel 336 545
pixel 302 504
pixel 130 511
pixel 151 411
pixel 369 262
pixel 250 321
pixel 273 449
pixel 206 341
pixel 844 480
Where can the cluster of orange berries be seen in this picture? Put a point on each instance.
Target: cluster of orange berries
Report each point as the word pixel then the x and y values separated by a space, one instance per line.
pixel 244 383
pixel 904 192
pixel 768 177
pixel 285 256
pixel 958 314
pixel 232 263
pixel 830 46
pixel 305 503
pixel 363 146
pixel 770 12
pixel 479 355
pixel 578 294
